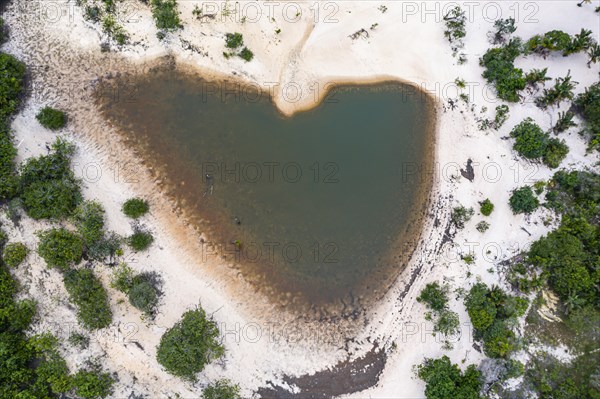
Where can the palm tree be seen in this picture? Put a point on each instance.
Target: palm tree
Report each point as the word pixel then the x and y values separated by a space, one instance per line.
pixel 584 1
pixel 594 54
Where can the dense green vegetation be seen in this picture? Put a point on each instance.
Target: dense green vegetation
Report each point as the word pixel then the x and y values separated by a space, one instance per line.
pixel 222 389
pixel 493 314
pixel 523 200
pixel 187 347
pixel 87 292
pixel 51 118
pixel 445 380
pixel 48 185
pixel 587 105
pixel 135 207
pixel 31 366
pixel 533 143
pixel 166 15
pixel 14 254
pixel 559 41
pixel 12 75
pixel 500 70
pixel 60 248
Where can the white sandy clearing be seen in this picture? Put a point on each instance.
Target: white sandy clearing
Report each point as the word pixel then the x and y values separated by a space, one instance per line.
pixel 295 65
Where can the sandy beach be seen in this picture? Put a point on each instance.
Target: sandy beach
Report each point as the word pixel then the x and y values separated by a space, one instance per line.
pixel 312 51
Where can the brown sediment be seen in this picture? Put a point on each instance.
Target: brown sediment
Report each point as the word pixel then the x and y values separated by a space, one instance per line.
pixel 290 294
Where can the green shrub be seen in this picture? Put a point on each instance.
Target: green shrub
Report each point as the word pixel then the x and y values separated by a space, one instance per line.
pixel 445 380
pixel 246 54
pixel 523 200
pixel 482 226
pixel 140 240
pixel 106 248
pixel 12 75
pixel 88 294
pixel 49 187
pixel 447 322
pixel 144 293
pixel 531 141
pixel 461 215
pixel 122 278
pixel 15 254
pixel 166 15
pixel 60 248
pixel 187 347
pixel 501 117
pixel 92 384
pixel 80 341
pixel 561 91
pixel 234 40
pixel 2 31
pixel 492 311
pixel 564 122
pixel 222 389
pixel 486 207
pixel 135 207
pixel 556 152
pixel 555 40
pixel 500 70
pixel 587 105
pixel 51 118
pixel 504 28
pixel 435 296
pixel 88 217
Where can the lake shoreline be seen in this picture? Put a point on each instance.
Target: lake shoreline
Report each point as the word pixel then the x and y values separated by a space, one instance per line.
pixel 67 64
pixel 349 307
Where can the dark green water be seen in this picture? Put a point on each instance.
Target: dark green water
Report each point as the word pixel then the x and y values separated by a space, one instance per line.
pixel 316 205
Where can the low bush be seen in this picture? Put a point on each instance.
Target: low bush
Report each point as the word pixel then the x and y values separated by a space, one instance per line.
pixel 106 248
pixel 523 200
pixel 49 187
pixel 587 105
pixel 445 380
pixel 92 384
pixel 461 215
pixel 80 341
pixel 140 239
pixel 187 347
pixel 51 118
pixel 144 292
pixel 486 207
pixel 482 226
pixel 533 143
pixel 88 217
pixel 135 207
pixel 222 389
pixel 15 254
pixel 166 15
pixel 434 296
pixel 90 297
pixel 500 70
pixel 60 248
pixel 492 313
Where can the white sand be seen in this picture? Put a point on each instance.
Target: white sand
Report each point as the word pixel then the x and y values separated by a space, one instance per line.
pixel 407 44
